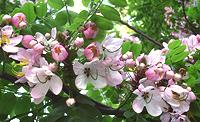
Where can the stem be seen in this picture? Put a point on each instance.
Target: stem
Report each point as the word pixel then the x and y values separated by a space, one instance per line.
pixel 126 100
pixel 69 21
pixel 192 28
pixel 143 34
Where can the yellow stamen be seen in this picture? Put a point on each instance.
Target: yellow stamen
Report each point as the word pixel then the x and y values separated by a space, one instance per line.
pixel 20 74
pixel 4 39
pixel 23 62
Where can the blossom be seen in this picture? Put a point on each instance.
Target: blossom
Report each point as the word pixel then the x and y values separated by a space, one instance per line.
pixel 88 73
pixel 44 79
pixel 92 51
pixel 26 41
pixel 149 97
pixel 59 53
pixel 19 20
pixel 178 98
pixel 79 42
pixel 192 43
pixel 90 30
pixel 9 44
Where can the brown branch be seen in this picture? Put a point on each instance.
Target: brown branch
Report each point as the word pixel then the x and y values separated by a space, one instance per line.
pixel 190 25
pixel 105 110
pixel 143 34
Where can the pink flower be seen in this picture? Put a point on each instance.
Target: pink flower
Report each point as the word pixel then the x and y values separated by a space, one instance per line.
pixel 9 44
pixel 90 30
pixel 88 73
pixel 7 18
pixel 44 80
pixel 149 97
pixel 59 53
pixel 79 42
pixel 26 41
pixel 92 51
pixel 19 20
pixel 178 98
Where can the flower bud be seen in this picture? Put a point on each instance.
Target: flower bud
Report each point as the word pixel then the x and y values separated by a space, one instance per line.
pixel 90 30
pixel 7 18
pixel 150 74
pixel 32 43
pixel 177 77
pixel 22 25
pixel 48 35
pixel 169 74
pixel 38 48
pixel 91 51
pixel 130 63
pixel 19 20
pixel 53 67
pixel 79 42
pixel 70 101
pixel 26 41
pixel 59 53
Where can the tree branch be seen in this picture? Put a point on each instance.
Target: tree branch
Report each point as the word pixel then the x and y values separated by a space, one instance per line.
pixel 143 34
pixel 192 28
pixel 105 110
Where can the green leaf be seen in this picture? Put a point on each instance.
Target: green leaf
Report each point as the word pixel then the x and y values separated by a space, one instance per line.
pixel 174 44
pixel 103 23
pixel 56 4
pixel 179 57
pixel 129 114
pixel 41 9
pixel 136 49
pixel 110 13
pixel 40 28
pixel 119 3
pixel 126 46
pixel 86 2
pixel 100 36
pixel 29 10
pixel 178 50
pixel 7 103
pixel 23 105
pixel 69 2
pixel 61 18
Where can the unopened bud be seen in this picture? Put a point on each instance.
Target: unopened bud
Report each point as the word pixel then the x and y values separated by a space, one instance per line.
pixel 169 74
pixel 70 101
pixel 177 77
pixel 48 35
pixel 22 24
pixel 7 18
pixel 79 42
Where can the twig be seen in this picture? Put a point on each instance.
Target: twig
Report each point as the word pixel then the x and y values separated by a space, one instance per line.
pixel 192 28
pixel 142 33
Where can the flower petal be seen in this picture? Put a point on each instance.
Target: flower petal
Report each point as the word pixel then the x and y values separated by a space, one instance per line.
pixel 10 48
pixel 153 108
pixel 39 90
pixel 100 82
pixel 56 84
pixel 81 82
pixel 138 104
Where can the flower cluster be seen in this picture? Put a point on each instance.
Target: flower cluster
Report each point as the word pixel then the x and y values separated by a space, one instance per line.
pixel 36 71
pixel 158 88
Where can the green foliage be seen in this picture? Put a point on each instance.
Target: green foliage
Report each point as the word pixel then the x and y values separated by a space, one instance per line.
pixel 102 22
pixel 110 13
pixel 130 46
pixel 176 52
pixel 61 18
pixel 41 9
pixel 119 3
pixel 7 101
pixel 56 4
pixel 29 10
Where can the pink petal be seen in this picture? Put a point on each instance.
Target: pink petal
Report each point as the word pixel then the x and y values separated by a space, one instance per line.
pixel 138 104
pixel 56 84
pixel 39 90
